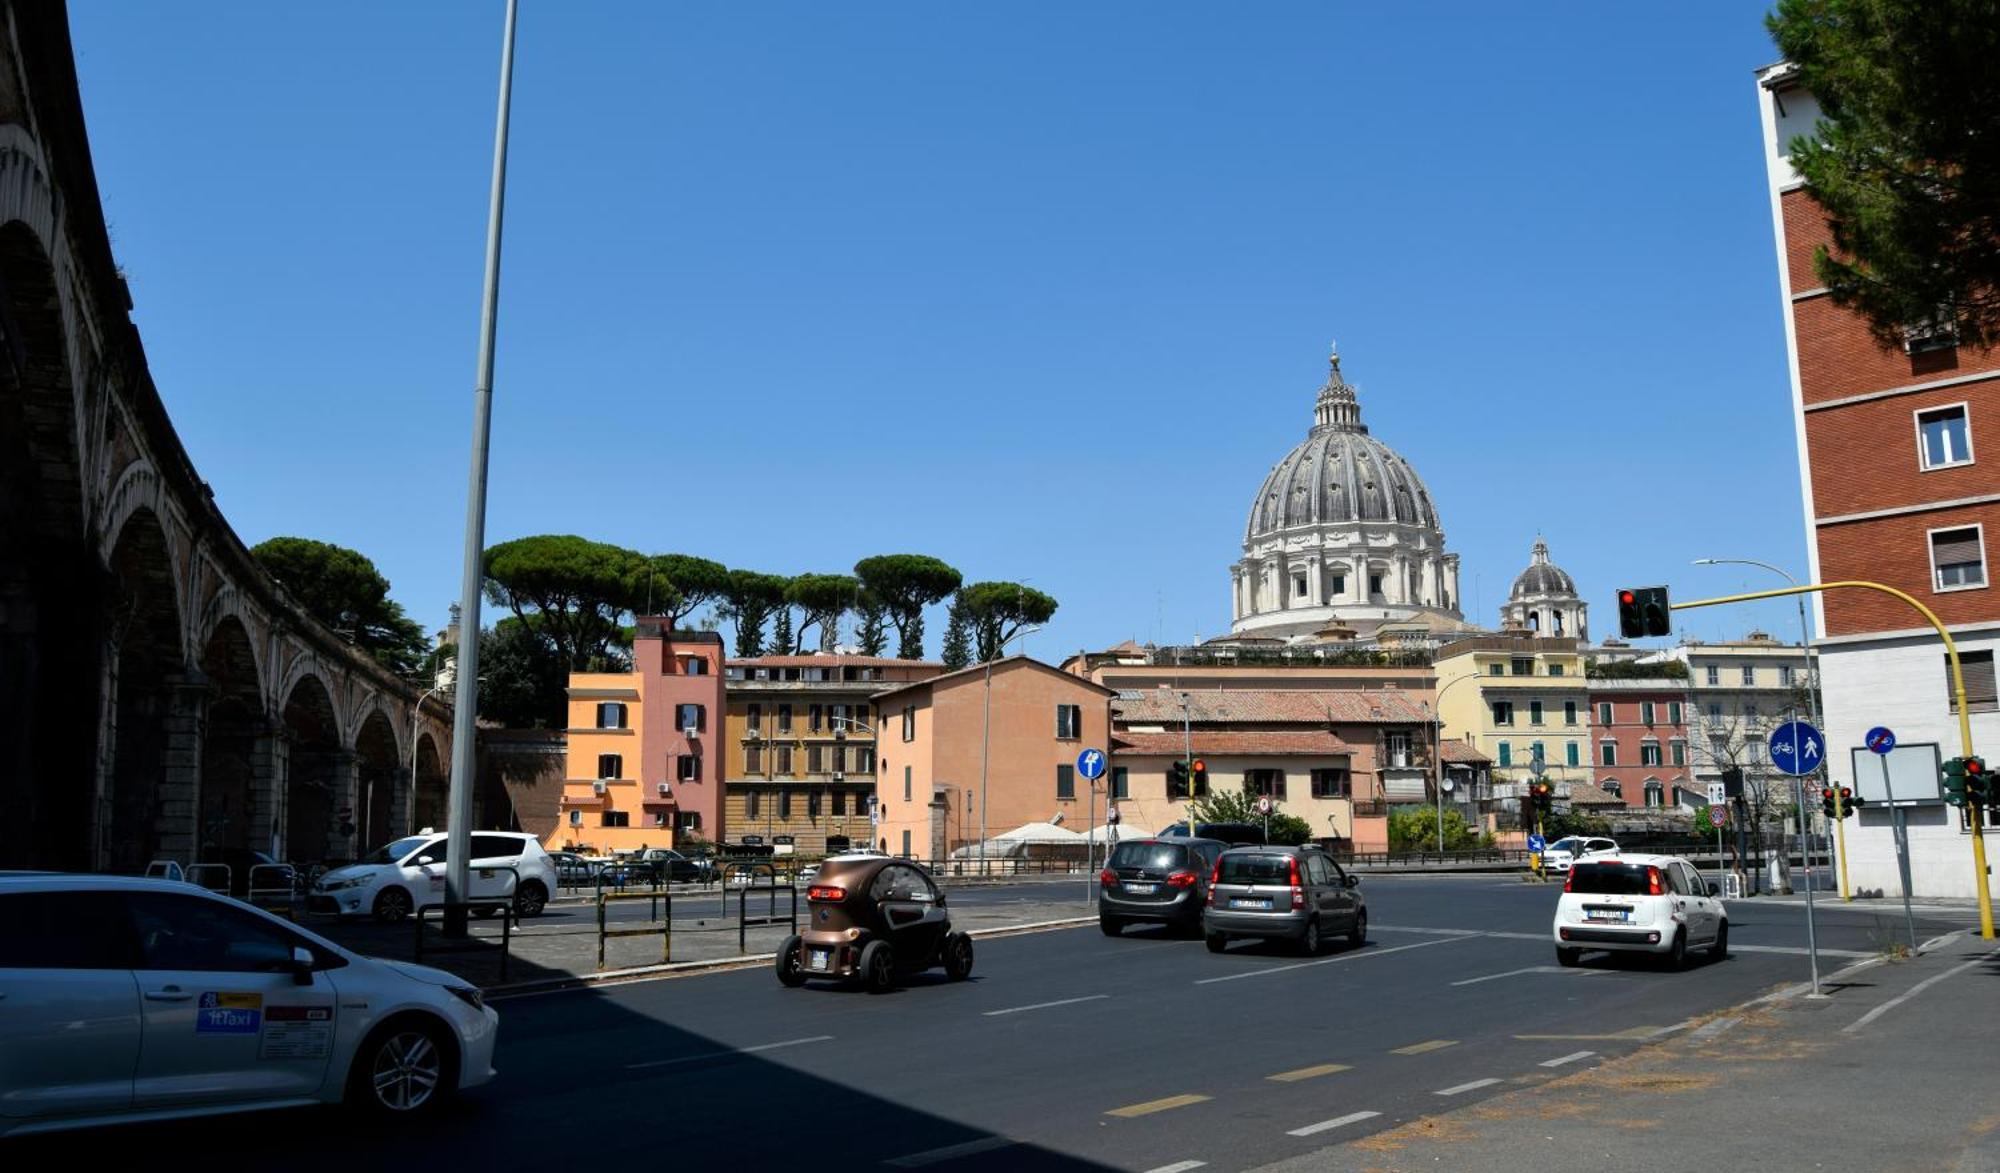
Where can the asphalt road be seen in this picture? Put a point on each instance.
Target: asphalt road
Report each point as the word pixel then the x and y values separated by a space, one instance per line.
pixel 1067 1050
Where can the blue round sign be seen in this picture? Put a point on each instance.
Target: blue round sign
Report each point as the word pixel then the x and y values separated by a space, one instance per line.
pixel 1880 739
pixel 1090 764
pixel 1797 748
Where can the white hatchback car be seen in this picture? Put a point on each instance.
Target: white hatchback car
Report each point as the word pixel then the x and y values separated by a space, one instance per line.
pixel 1643 903
pixel 132 999
pixel 1567 850
pixel 393 881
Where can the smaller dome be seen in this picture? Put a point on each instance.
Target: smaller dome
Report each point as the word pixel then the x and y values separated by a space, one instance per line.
pixel 1542 577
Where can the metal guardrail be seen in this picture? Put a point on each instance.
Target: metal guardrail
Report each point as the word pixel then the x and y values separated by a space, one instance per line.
pixel 752 871
pixel 664 928
pixel 273 887
pixel 503 904
pixel 198 874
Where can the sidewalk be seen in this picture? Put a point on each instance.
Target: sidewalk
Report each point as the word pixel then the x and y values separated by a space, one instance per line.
pixel 1885 1073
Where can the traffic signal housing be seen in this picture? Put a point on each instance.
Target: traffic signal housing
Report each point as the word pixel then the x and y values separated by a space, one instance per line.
pixel 1826 801
pixel 1979 785
pixel 1957 780
pixel 1200 777
pixel 1177 779
pixel 1643 612
pixel 1542 795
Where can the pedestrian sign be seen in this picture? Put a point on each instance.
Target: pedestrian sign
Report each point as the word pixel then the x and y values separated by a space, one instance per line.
pixel 1090 764
pixel 1797 748
pixel 1880 739
pixel 1717 794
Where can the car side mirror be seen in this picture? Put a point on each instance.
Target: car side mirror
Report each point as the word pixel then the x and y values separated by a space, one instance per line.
pixel 1714 889
pixel 302 965
pixel 424 861
pixel 1354 881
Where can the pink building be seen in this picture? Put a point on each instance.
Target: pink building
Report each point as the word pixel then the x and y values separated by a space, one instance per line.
pixel 1639 741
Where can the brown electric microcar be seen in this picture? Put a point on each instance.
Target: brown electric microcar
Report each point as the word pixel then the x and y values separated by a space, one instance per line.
pixel 873 919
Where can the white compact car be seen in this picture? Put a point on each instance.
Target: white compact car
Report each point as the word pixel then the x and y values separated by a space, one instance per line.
pixel 1566 851
pixel 1642 903
pixel 396 880
pixel 131 999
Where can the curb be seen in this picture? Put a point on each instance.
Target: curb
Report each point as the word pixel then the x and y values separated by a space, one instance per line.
pixel 677 969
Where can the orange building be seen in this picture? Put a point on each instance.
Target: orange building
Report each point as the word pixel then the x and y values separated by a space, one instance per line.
pixel 985 749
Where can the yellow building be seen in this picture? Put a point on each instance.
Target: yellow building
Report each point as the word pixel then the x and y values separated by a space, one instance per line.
pixel 1509 694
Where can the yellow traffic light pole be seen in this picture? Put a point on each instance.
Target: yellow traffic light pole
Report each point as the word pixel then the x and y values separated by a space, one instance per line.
pixel 1957 689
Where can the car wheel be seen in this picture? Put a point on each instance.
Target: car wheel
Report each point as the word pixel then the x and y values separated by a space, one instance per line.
pixel 1358 935
pixel 405 1069
pixel 878 967
pixel 531 899
pixel 1720 950
pixel 1309 942
pixel 1110 926
pixel 392 905
pixel 1216 942
pixel 1677 954
pixel 791 963
pixel 958 956
pixel 1568 958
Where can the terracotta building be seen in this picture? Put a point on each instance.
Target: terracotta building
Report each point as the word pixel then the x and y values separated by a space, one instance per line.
pixel 1639 742
pixel 1895 490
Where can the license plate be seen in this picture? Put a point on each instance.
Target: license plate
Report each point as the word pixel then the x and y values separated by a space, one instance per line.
pixel 1250 904
pixel 1142 889
pixel 820 959
pixel 1610 914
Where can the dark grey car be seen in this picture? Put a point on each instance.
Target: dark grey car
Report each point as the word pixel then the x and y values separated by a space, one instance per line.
pixel 1156 881
pixel 1297 894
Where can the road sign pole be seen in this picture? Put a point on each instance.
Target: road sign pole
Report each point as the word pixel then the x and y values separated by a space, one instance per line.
pixel 1812 934
pixel 1902 849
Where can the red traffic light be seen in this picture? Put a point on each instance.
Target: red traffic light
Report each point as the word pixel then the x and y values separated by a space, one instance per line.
pixel 1627 598
pixel 1846 793
pixel 1200 766
pixel 1975 765
pixel 1826 794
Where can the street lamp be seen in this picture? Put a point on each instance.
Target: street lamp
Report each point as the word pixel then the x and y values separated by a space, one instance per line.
pixel 446 678
pixel 1437 749
pixel 1805 632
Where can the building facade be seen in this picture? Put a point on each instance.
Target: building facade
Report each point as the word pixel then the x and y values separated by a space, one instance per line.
pixel 799 745
pixel 985 749
pixel 1639 746
pixel 1738 691
pixel 644 747
pixel 1895 492
pixel 1508 696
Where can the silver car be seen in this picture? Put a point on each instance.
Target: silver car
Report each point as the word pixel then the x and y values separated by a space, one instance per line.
pixel 1296 894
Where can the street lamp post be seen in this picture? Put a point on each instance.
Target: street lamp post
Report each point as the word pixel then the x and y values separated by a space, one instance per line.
pixel 445 679
pixel 1187 751
pixel 1437 750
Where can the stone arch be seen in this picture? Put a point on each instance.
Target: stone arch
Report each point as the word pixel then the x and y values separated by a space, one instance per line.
pixel 378 779
pixel 318 773
pixel 51 581
pixel 432 786
pixel 234 809
pixel 150 692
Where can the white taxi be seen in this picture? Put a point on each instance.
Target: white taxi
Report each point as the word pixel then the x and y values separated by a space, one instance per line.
pixel 401 877
pixel 1643 903
pixel 131 999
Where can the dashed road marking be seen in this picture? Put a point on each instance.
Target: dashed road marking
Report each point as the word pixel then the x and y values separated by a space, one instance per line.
pixel 951 1152
pixel 1421 1048
pixel 1308 1072
pixel 1250 973
pixel 1152 1106
pixel 1569 1058
pixel 1043 1005
pixel 709 1055
pixel 1466 1087
pixel 1336 1122
pixel 1178 1167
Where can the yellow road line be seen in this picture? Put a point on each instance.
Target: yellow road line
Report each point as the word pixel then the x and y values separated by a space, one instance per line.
pixel 1308 1072
pixel 1152 1106
pixel 1420 1048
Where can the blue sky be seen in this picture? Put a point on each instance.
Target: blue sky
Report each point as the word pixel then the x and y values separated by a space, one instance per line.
pixel 1041 290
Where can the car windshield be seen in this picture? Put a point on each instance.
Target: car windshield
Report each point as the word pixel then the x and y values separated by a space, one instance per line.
pixel 1255 869
pixel 1609 879
pixel 1158 856
pixel 394 852
pixel 1570 845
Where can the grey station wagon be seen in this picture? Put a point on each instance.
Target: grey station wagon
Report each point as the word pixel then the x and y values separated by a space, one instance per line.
pixel 1296 894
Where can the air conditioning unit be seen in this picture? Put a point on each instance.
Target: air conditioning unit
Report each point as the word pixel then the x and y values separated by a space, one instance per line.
pixel 664 791
pixel 598 787
pixel 754 735
pixel 690 730
pixel 838 776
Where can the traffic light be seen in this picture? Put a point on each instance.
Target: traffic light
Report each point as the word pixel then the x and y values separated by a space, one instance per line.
pixel 1826 802
pixel 1850 801
pixel 1177 779
pixel 1979 785
pixel 1956 773
pixel 1542 795
pixel 1643 611
pixel 1200 777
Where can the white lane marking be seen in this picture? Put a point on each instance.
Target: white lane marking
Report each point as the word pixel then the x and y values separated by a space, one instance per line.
pixel 951 1152
pixel 1466 1087
pixel 1796 951
pixel 1494 977
pixel 1043 1005
pixel 1712 1029
pixel 1336 1122
pixel 1426 931
pixel 1327 961
pixel 1178 1167
pixel 1664 1031
pixel 703 1058
pixel 1913 991
pixel 1569 1058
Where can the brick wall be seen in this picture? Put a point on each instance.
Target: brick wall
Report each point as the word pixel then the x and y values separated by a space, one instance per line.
pixel 1864 455
pixel 1894 551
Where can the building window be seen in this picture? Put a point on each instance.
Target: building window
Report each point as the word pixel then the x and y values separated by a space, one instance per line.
pixel 1612 787
pixel 691 718
pixel 1503 712
pixel 784 718
pixel 1749 676
pixel 1265 783
pixel 750 804
pixel 1065 781
pixel 1121 783
pixel 1979 683
pixel 783 761
pixel 1069 721
pixel 1499 669
pixel 610 765
pixel 576 818
pixel 840 759
pixel 1604 713
pixel 1655 793
pixel 864 759
pixel 690 767
pixel 1557 669
pixel 813 713
pixel 611 715
pixel 1571 755
pixel 1714 675
pixel 1649 753
pixel 1750 712
pixel 1958 558
pixel 1524 667
pixel 812 804
pixel 1331 783
pixel 906 784
pixel 1569 712
pixel 1673 712
pixel 1944 437
pixel 785 804
pixel 1534 712
pixel 617 818
pixel 861 716
pixel 1786 675
pixel 659 818
pixel 815 759
pixel 754 719
pixel 909 722
pixel 840 804
pixel 1608 753
pixel 1680 752
pixel 1397 747
pixel 1374 585
pixel 1647 712
pixel 753 759
pixel 694 665
pixel 1506 754
pixel 1298 586
pixel 1339 586
pixel 1714 711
